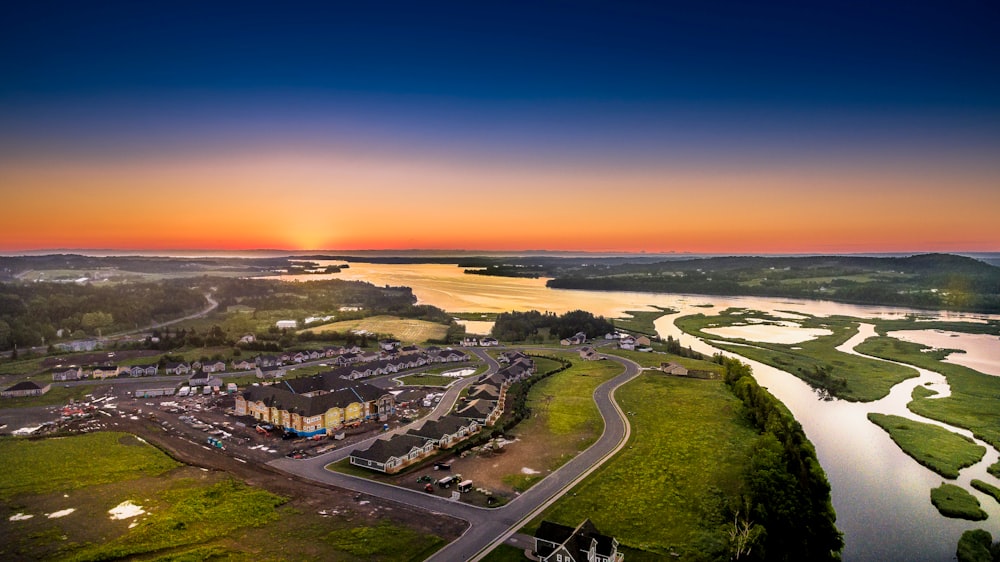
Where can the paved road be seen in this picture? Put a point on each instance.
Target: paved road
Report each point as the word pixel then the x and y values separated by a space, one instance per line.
pixel 487 526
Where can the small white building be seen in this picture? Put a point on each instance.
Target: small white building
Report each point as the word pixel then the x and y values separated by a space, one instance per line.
pixel 289 324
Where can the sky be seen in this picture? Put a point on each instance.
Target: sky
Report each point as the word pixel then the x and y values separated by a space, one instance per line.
pixel 704 127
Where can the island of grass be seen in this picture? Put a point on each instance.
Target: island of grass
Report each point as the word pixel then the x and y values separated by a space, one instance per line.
pixel 940 450
pixel 956 502
pixel 816 361
pixel 58 492
pixel 986 488
pixel 641 321
pixel 977 546
pixel 972 404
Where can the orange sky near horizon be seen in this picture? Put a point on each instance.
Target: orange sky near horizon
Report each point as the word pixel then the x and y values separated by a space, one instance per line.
pixel 354 202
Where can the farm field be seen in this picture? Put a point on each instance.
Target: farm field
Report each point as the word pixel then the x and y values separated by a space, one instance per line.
pixel 404 329
pixel 681 470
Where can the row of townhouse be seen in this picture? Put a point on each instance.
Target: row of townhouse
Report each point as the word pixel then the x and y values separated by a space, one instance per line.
pixel 486 399
pixel 314 405
pixel 76 372
pixel 376 368
pixel 483 407
pixel 399 451
pixel 338 356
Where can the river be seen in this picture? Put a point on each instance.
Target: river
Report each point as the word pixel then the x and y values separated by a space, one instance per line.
pixel 882 496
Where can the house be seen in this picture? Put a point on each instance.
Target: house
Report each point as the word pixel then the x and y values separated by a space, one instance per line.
pixel 450 356
pixel 244 365
pixel 626 342
pixel 103 371
pixel 143 370
pixel 177 369
pixel 409 350
pixel 286 324
pixel 248 338
pixel 672 368
pixel 393 454
pixel 578 338
pixel 482 411
pixel 612 336
pixel 469 341
pixel 214 367
pixel 71 373
pixel 589 354
pixel 489 342
pixel 271 372
pixel 268 360
pixel 559 543
pixel 447 431
pixel 25 388
pixel 642 341
pixel 388 345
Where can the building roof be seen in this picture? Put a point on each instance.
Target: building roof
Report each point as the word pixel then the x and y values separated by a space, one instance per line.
pixel 24 385
pixel 284 397
pixel 396 446
pixel 435 429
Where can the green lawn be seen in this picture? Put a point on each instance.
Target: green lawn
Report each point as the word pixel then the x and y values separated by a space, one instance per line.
pixel 505 553
pixel 973 400
pixel 655 359
pixel 681 468
pixel 817 361
pixel 40 466
pixel 936 448
pixel 954 501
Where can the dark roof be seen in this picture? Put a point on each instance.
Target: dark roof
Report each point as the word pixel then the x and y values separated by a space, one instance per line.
pixel 477 409
pixel 384 449
pixel 435 429
pixel 24 385
pixel 283 396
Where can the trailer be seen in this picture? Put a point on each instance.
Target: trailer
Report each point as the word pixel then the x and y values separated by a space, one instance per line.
pixel 465 486
pixel 447 481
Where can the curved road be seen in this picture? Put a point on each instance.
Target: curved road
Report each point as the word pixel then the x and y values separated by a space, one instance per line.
pixel 487 526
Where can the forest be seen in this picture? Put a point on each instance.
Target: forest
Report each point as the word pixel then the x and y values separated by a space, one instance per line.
pixel 532 326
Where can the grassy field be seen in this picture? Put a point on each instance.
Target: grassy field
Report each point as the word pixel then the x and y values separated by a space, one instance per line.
pixel 654 360
pixel 54 465
pixel 681 468
pixel 190 513
pixel 817 361
pixel 987 488
pixel 994 469
pixel 936 448
pixel 505 553
pixel 641 321
pixel 973 400
pixel 954 501
pixel 405 329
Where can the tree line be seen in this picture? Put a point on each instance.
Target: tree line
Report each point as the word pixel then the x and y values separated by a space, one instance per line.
pixel 786 505
pixel 528 326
